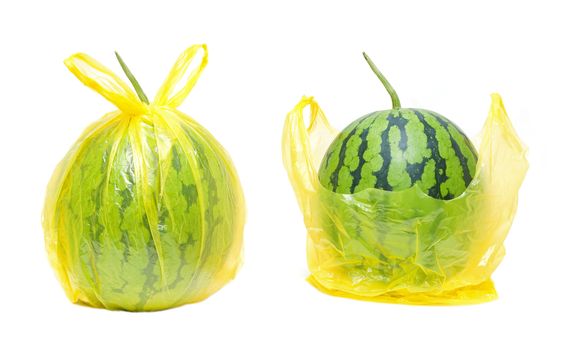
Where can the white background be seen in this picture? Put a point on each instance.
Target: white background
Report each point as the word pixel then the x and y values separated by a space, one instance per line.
pixel 263 57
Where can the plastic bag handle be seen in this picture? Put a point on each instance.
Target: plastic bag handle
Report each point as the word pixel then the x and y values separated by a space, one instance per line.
pixel 101 79
pixel 314 110
pixel 166 95
pixel 298 145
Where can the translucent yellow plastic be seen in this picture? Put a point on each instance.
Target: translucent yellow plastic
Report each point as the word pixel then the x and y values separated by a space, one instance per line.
pixel 406 247
pixel 146 211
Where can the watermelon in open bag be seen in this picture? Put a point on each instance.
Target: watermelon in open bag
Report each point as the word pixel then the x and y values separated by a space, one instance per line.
pixel 400 206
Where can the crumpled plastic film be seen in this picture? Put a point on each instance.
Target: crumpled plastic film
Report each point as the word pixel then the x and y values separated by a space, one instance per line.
pixel 146 211
pixel 406 247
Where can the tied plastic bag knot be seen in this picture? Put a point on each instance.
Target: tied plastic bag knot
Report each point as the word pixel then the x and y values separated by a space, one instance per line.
pixel 115 90
pixel 404 246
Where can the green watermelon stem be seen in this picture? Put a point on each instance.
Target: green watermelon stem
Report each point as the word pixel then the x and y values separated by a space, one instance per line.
pixel 394 98
pixel 133 81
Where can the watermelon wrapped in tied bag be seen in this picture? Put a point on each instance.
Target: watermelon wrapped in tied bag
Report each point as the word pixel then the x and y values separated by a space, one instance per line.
pixel 146 211
pixel 400 206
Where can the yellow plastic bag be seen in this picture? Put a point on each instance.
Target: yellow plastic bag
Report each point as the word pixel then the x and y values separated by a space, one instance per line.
pixel 146 211
pixel 406 247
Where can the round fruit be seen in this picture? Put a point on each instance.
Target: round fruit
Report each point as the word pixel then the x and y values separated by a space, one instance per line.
pixel 399 148
pixel 144 213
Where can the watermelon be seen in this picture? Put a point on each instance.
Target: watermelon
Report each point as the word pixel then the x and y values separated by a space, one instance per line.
pixel 144 213
pixel 396 149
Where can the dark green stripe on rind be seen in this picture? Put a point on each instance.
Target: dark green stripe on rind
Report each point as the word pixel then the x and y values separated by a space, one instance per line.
pixel 440 162
pixel 341 156
pixel 396 119
pixel 385 154
pixel 357 174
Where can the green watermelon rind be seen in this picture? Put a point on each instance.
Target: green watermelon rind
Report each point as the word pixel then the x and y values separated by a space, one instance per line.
pixel 396 149
pixel 119 244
